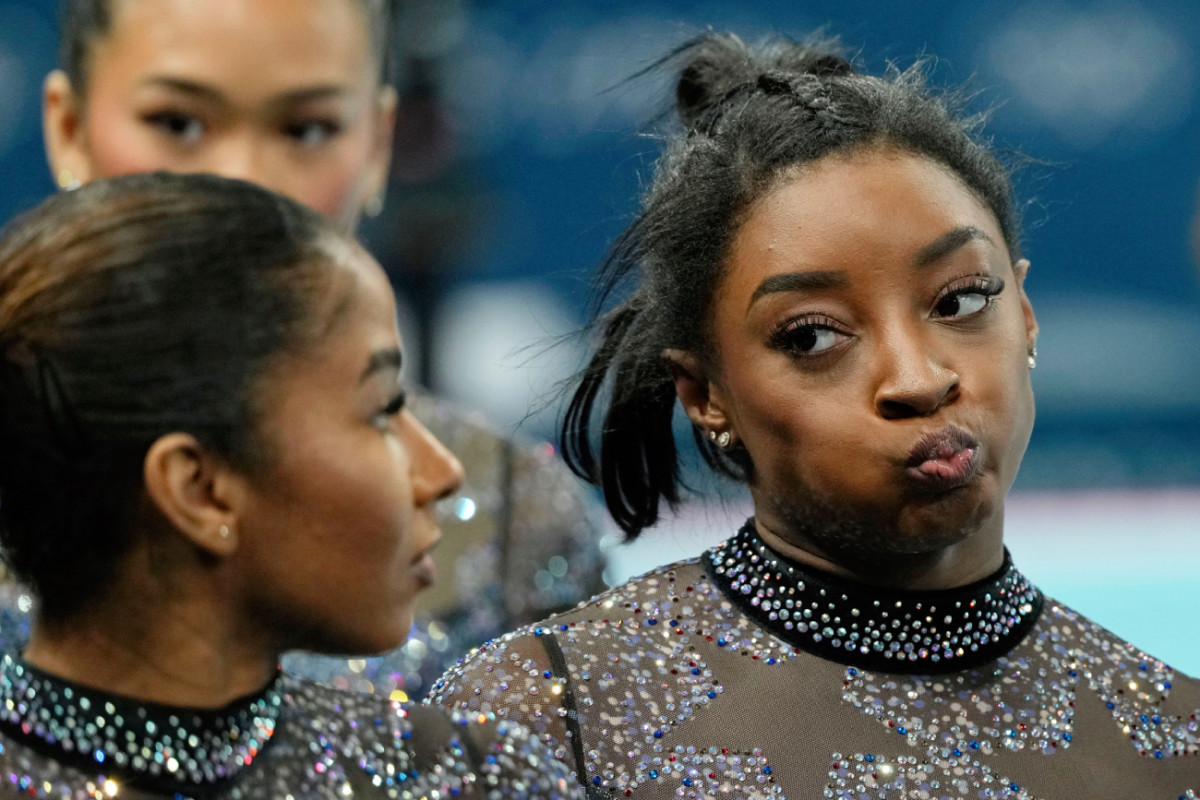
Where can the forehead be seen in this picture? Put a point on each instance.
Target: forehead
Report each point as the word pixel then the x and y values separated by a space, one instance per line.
pixel 244 45
pixel 870 210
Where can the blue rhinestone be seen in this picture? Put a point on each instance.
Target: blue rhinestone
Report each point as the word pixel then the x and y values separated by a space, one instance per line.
pixel 687 781
pixel 957 752
pixel 547 674
pixel 653 773
pixel 766 770
pixel 901 730
pixel 695 670
pixel 870 759
pixel 596 781
pixel 651 622
pixel 712 695
pixel 658 734
pixel 974 745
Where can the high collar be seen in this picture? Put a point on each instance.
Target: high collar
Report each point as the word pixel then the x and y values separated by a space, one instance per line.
pixel 152 746
pixel 914 632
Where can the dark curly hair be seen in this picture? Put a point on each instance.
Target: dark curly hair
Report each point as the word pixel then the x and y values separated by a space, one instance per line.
pixel 749 114
pixel 84 22
pixel 130 309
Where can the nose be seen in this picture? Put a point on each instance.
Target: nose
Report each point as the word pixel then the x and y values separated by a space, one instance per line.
pixel 436 472
pixel 241 157
pixel 913 381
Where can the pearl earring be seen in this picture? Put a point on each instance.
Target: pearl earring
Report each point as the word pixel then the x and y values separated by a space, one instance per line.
pixel 67 180
pixel 224 532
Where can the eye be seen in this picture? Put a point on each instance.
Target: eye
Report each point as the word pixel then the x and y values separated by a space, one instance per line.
pixel 384 416
pixel 967 300
pixel 187 128
pixel 808 336
pixel 311 133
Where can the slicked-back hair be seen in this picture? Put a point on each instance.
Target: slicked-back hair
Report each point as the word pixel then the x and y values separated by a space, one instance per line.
pixel 748 115
pixel 129 309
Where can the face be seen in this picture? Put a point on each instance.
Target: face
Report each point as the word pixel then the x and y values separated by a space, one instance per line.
pixel 872 339
pixel 283 93
pixel 335 532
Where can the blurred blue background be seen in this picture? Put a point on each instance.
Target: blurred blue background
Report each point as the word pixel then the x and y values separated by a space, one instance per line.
pixel 521 154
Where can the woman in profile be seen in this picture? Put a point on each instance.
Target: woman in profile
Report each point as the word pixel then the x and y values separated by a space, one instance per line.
pixel 827 277
pixel 206 461
pixel 293 95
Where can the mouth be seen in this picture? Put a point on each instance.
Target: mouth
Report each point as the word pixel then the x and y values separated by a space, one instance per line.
pixel 423 567
pixel 944 460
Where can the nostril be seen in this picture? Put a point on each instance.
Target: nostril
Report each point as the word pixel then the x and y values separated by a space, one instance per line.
pixel 895 409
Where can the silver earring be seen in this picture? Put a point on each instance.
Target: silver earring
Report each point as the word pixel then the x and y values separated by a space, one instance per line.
pixel 374 206
pixel 1033 357
pixel 724 439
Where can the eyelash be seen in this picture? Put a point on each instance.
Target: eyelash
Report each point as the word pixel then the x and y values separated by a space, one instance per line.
pixel 395 405
pixel 988 286
pixel 787 336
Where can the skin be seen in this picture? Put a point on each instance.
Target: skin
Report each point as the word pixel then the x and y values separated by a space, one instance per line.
pixel 283 93
pixel 881 255
pixel 326 545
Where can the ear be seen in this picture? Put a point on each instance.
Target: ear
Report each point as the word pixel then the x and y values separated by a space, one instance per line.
pixel 195 491
pixel 63 130
pixel 701 397
pixel 381 150
pixel 1020 271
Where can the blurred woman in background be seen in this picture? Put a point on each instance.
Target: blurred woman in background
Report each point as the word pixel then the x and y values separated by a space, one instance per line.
pixel 293 95
pixel 827 277
pixel 205 461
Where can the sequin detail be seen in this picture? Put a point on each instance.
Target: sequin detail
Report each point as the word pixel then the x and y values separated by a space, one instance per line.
pixel 197 748
pixel 908 632
pixel 327 744
pixel 679 692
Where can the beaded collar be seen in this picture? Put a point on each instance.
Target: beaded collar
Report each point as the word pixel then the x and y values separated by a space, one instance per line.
pixel 886 630
pixel 151 746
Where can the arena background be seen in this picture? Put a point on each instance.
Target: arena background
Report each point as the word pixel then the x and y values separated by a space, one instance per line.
pixel 522 149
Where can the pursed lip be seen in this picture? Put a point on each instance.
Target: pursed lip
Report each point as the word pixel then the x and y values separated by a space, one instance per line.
pixel 422 565
pixel 944 459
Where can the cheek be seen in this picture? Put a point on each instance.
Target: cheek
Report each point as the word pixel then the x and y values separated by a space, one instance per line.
pixel 119 144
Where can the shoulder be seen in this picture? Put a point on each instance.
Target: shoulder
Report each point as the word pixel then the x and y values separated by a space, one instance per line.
pixel 521 663
pixel 461 753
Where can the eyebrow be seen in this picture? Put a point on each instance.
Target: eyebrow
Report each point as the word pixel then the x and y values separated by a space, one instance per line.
pixel 818 280
pixel 382 360
pixel 203 91
pixel 800 282
pixel 947 243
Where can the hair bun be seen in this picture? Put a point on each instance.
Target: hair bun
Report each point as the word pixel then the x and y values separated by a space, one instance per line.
pixel 716 66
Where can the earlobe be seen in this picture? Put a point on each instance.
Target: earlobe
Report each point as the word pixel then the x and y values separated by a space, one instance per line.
pixel 194 491
pixel 63 132
pixel 700 398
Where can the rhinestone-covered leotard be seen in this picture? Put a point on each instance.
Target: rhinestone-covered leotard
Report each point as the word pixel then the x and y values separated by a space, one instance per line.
pixel 742 675
pixel 295 740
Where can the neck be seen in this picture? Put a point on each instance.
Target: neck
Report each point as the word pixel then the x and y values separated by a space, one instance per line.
pixel 941 566
pixel 170 642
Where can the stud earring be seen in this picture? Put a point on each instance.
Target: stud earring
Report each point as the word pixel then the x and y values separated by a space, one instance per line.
pixel 224 531
pixel 67 180
pixel 722 439
pixel 1033 357
pixel 374 205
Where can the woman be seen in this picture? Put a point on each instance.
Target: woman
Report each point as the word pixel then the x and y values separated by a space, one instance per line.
pixel 827 277
pixel 290 94
pixel 207 461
